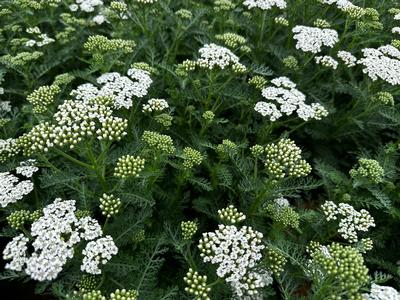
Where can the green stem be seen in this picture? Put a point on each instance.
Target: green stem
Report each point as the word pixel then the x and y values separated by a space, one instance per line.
pixel 74 160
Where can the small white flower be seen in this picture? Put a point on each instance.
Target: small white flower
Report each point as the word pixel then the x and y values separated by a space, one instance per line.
pixel 348 59
pixel 12 190
pixel 265 4
pixel 311 39
pixel 326 61
pixel 27 168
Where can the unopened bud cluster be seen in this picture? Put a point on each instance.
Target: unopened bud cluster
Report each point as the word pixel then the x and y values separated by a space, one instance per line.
pixel 197 285
pixel 101 44
pixel 124 295
pixel 281 212
pixel 109 205
pixel 291 63
pixel 155 105
pixel 191 157
pixel 18 218
pixel 234 41
pixel 258 82
pixel 384 98
pixel 189 228
pixel 231 215
pixel 159 142
pixel 88 283
pixel 129 166
pixel 275 260
pixel 283 159
pixel 227 147
pixel 43 97
pixel 369 169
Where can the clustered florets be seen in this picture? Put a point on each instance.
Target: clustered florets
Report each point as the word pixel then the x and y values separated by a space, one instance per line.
pixel 12 189
pixel 348 59
pixel 234 41
pixel 289 99
pixel 380 292
pixel 155 105
pixel 311 39
pixel 212 55
pixel 258 82
pixel 236 254
pixel 27 168
pixel 327 61
pixel 265 4
pixel 385 98
pixel 189 228
pixel 124 295
pixel 191 157
pixel 344 264
pixel 351 220
pixel 369 169
pixel 159 142
pixel 121 88
pixel 197 285
pixel 275 260
pixel 282 213
pixel 54 236
pixel 129 166
pixel 283 159
pixel 383 63
pixel 109 205
pixel 231 215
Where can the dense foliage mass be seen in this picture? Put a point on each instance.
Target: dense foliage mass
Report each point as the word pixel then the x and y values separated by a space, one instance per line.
pixel 216 149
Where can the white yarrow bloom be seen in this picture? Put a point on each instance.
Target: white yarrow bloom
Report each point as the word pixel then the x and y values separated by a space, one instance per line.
pixel 98 252
pixel 12 190
pixel 396 30
pixel 212 55
pixel 341 4
pixel 54 236
pixel 236 254
pixel 122 88
pixel 5 106
pixel 311 39
pixel 326 61
pixel 285 94
pixel 155 105
pixel 99 19
pixel 27 168
pixel 282 202
pixel 348 59
pixel 265 4
pixel 383 63
pixel 88 5
pixel 350 220
pixel 379 292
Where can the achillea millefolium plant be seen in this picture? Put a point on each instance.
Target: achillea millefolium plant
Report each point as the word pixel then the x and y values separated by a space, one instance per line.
pixel 219 149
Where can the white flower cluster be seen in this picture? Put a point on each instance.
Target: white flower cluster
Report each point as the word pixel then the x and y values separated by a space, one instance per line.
pixel 311 39
pixel 348 59
pixel 341 4
pixel 85 5
pixel 396 16
pixel 282 202
pixel 212 55
pixel 122 88
pixel 41 39
pixel 55 234
pixel 351 220
pixel 383 63
pixel 265 4
pixel 155 105
pixel 236 252
pixel 5 106
pixel 380 292
pixel 396 30
pixel 326 61
pixel 12 189
pixel 96 252
pixel 27 168
pixel 290 100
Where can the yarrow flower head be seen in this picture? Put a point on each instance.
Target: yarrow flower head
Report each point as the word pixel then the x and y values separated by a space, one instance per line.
pixel 351 220
pixel 191 157
pixel 291 63
pixel 197 285
pixel 27 168
pixel 265 4
pixel 258 82
pixel 348 59
pixel 189 228
pixel 234 41
pixel 369 169
pixel 275 260
pixel 385 98
pixel 155 105
pixel 54 234
pixel 109 205
pixel 98 252
pixel 121 88
pixel 383 63
pixel 327 61
pixel 124 294
pixel 285 94
pixel 12 189
pixel 212 55
pixel 129 166
pixel 380 292
pixel 283 159
pixel 311 39
pixel 226 148
pixel 231 215
pixel 236 252
pixel 344 264
pixel 43 97
pixel 282 213
pixel 159 142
